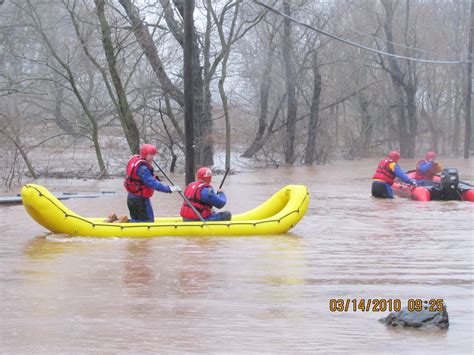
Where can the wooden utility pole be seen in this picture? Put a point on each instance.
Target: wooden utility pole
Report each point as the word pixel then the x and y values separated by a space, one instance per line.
pixel 467 120
pixel 188 90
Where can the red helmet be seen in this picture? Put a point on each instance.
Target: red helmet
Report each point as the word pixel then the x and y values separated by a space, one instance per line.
pixel 146 149
pixel 204 174
pixel 394 155
pixel 430 155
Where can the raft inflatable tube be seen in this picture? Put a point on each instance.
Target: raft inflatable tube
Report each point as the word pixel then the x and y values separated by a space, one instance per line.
pixel 422 193
pixel 277 215
pixel 414 193
pixel 463 192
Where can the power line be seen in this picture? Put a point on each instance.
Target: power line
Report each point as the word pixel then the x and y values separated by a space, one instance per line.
pixel 359 45
pixel 380 38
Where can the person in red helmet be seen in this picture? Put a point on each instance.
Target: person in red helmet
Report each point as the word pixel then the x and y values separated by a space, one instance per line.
pixel 141 184
pixel 203 198
pixel 387 170
pixel 427 168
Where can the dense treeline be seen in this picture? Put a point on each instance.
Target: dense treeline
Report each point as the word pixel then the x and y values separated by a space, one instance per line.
pixel 109 73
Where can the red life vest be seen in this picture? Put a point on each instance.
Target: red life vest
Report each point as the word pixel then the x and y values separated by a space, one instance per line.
pixel 132 182
pixel 193 194
pixel 428 175
pixel 384 172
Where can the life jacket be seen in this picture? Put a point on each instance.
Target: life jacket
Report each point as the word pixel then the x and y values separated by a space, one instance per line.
pixel 193 194
pixel 132 182
pixel 427 175
pixel 384 173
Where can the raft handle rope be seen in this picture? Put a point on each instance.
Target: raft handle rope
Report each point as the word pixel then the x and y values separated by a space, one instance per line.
pixel 188 224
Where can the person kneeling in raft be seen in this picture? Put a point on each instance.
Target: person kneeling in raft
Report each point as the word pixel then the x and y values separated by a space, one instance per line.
pixel 426 169
pixel 202 196
pixel 141 183
pixel 385 175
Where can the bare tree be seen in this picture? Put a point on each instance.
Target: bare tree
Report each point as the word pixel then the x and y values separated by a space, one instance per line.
pixel 145 40
pixel 264 93
pixel 314 112
pixel 226 47
pixel 7 128
pixel 128 124
pixel 69 76
pixel 405 83
pixel 188 71
pixel 468 118
pixel 202 122
pixel 285 91
pixel 290 85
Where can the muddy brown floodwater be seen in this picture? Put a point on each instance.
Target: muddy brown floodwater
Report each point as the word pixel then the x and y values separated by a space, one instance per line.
pixel 245 294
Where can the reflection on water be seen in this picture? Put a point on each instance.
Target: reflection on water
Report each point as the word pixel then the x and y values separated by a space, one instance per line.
pixel 248 294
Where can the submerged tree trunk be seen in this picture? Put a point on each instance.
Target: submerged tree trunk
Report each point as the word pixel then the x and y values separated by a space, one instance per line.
pixel 310 152
pixel 290 87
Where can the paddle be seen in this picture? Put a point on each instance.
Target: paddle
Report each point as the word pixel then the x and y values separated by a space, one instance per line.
pixel 181 193
pixel 223 179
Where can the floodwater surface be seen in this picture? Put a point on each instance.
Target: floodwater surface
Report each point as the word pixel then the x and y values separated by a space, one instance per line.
pixel 242 294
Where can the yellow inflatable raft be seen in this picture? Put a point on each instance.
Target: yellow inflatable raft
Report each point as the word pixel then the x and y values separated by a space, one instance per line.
pixel 277 215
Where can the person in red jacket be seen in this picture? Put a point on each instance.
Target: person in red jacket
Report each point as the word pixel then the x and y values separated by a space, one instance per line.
pixel 141 183
pixel 203 198
pixel 385 175
pixel 427 168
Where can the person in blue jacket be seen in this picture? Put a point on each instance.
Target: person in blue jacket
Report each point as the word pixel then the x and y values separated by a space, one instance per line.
pixel 387 170
pixel 426 169
pixel 203 198
pixel 141 182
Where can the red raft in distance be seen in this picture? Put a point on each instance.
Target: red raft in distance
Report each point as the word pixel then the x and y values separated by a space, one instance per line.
pixel 445 187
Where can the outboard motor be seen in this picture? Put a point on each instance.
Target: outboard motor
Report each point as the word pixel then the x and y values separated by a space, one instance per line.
pixel 449 184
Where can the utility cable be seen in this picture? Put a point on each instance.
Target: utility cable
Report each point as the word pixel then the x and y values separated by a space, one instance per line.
pixel 359 45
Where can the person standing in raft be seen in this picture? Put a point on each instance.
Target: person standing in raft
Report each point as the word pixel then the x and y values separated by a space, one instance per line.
pixel 203 197
pixel 385 175
pixel 427 168
pixel 141 183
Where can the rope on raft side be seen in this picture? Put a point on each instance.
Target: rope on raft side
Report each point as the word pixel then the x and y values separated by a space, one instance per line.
pixel 167 225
